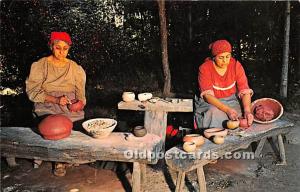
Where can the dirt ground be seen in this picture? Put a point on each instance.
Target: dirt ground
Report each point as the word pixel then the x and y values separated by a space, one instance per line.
pixel 226 175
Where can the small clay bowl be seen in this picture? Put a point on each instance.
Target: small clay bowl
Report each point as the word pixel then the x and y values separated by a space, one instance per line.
pixel 215 132
pixel 189 146
pixel 139 131
pixel 231 124
pixel 196 138
pixel 218 140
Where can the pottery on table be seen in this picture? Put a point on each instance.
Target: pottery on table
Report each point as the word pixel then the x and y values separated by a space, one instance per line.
pixel 139 131
pixel 128 96
pixel 231 124
pixel 196 138
pixel 243 123
pixel 189 146
pixel 144 96
pixel 55 127
pixel 99 128
pixel 215 132
pixel 77 105
pixel 218 139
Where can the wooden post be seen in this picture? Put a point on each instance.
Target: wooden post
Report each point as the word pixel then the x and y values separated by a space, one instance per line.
pixel 285 69
pixel 201 179
pixel 164 47
pixel 136 177
pixel 156 123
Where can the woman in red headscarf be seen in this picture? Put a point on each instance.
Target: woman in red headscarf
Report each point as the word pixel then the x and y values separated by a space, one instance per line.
pixel 222 84
pixel 54 81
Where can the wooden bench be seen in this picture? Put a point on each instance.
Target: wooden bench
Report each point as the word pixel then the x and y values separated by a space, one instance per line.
pixel 20 142
pixel 182 162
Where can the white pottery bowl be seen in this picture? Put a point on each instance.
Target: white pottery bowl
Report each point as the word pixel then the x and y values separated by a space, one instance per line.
pixel 99 127
pixel 144 96
pixel 128 96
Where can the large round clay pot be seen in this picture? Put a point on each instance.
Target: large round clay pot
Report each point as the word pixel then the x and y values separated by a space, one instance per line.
pixel 77 105
pixel 196 138
pixel 55 127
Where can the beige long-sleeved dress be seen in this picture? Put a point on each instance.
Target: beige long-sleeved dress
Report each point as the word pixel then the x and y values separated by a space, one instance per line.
pixel 48 79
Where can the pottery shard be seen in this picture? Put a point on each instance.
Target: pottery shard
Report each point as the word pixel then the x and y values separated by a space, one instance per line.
pixel 264 113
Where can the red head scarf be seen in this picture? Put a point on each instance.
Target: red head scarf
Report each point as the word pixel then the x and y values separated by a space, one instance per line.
pixel 63 36
pixel 220 46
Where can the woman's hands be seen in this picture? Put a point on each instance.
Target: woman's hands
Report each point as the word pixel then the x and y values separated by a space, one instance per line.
pixel 62 100
pixel 232 114
pixel 249 116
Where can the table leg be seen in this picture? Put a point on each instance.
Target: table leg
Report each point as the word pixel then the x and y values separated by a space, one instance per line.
pixel 281 150
pixel 259 147
pixel 136 177
pixel 156 123
pixel 180 181
pixel 201 179
pixel 11 161
pixel 143 173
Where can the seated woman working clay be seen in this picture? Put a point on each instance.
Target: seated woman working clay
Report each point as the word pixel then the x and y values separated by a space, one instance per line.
pixel 222 84
pixel 55 81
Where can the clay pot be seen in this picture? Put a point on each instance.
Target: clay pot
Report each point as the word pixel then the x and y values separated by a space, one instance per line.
pixel 243 123
pixel 189 146
pixel 77 105
pixel 219 139
pixel 139 131
pixel 128 96
pixel 196 138
pixel 144 96
pixel 232 124
pixel 55 127
pixel 215 132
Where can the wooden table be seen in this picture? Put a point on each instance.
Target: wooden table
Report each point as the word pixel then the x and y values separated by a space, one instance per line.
pixel 234 141
pixel 21 142
pixel 155 120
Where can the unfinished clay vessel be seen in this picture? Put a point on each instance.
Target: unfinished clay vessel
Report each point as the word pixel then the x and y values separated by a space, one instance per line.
pixel 77 105
pixel 243 123
pixel 144 96
pixel 55 127
pixel 208 133
pixel 196 138
pixel 189 146
pixel 139 131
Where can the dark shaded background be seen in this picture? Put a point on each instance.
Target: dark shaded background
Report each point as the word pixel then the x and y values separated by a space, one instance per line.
pixel 128 57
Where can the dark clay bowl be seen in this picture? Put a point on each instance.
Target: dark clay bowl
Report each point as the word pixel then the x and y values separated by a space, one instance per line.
pixel 139 131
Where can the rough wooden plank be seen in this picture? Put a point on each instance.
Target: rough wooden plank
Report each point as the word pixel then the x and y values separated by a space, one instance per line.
pixel 78 148
pixel 170 105
pixel 180 181
pixel 201 179
pixel 136 177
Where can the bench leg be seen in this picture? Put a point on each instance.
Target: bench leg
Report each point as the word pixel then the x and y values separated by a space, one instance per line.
pixel 180 181
pixel 136 177
pixel 143 174
pixel 259 148
pixel 281 150
pixel 11 161
pixel 201 179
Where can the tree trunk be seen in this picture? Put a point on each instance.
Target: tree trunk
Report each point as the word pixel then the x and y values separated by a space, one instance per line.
pixel 164 47
pixel 285 60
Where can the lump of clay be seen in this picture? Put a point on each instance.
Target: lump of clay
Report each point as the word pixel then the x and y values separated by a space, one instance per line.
pixel 263 113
